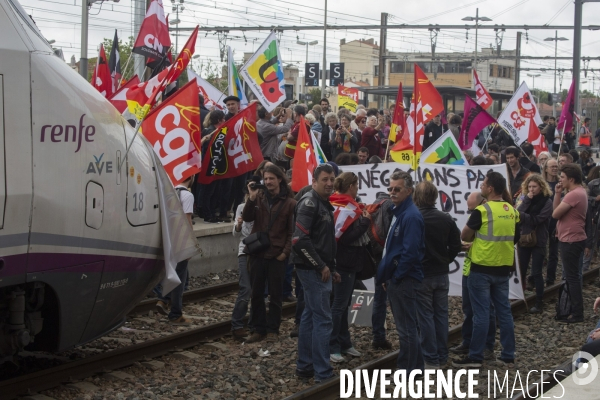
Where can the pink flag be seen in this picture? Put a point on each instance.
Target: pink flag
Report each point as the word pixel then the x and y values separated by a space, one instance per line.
pixel 566 116
pixel 476 118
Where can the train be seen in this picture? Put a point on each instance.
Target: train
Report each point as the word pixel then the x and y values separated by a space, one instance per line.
pixel 80 226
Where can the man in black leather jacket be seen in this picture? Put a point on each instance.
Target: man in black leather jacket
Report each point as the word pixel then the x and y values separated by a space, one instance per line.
pixel 313 254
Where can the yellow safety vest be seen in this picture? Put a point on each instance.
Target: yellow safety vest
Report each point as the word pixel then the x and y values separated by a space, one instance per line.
pixel 467 263
pixel 494 241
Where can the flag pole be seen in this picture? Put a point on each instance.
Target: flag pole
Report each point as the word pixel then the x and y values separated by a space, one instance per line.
pixel 562 137
pixel 387 149
pixel 138 126
pixel 125 70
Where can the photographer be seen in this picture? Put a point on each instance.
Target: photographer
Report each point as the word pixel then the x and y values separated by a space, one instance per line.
pixel 271 208
pixel 343 141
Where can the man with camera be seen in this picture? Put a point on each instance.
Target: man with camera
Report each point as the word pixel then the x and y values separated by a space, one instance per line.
pixel 271 208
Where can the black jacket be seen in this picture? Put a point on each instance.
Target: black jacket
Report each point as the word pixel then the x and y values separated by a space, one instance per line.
pixel 432 133
pixel 530 165
pixel 313 241
pixel 515 183
pixel 350 255
pixel 442 241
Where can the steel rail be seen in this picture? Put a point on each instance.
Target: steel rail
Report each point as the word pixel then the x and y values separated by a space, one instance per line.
pixel 331 388
pixel 119 358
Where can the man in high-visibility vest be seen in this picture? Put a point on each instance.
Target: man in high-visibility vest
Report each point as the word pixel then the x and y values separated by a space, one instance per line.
pixel 492 227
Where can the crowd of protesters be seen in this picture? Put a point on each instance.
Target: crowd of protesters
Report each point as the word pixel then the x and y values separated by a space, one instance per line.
pixel 550 210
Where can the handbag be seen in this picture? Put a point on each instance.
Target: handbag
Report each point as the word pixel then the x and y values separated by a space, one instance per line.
pixel 259 242
pixel 528 240
pixel 369 268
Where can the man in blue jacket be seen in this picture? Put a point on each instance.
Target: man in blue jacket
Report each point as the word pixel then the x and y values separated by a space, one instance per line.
pixel 401 268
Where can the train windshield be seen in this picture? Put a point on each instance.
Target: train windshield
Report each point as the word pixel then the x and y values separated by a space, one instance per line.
pixel 35 36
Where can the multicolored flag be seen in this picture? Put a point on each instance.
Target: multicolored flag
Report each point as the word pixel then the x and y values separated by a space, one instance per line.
pixel 153 40
pixel 476 118
pixel 305 160
pixel 318 150
pixel 101 79
pixel 213 97
pixel 347 97
pixel 233 149
pixel 346 211
pixel 264 74
pixel 234 82
pixel 426 103
pixel 565 122
pixel 398 120
pixel 114 63
pixel 483 96
pixel 445 150
pixel 521 118
pixel 119 99
pixel 172 129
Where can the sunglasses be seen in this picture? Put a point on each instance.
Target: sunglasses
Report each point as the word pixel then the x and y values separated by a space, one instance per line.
pixel 394 189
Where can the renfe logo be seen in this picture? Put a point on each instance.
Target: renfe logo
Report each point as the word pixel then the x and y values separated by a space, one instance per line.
pixel 57 131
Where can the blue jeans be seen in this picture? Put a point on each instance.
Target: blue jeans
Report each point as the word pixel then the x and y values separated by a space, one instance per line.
pixel 315 326
pixel 299 300
pixel 432 312
pixel 484 288
pixel 379 313
pixel 342 294
pixel 467 327
pixel 175 296
pixel 241 303
pixel 287 279
pixel 403 299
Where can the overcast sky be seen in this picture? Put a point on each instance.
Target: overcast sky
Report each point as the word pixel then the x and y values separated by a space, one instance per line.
pixel 60 20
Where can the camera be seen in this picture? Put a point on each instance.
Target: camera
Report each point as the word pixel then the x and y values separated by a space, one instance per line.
pixel 255 183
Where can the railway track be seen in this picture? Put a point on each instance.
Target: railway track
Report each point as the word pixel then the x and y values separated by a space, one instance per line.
pixel 123 357
pixel 119 358
pixel 191 296
pixel 331 389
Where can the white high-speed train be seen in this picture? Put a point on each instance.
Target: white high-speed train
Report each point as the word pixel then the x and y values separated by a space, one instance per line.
pixel 80 239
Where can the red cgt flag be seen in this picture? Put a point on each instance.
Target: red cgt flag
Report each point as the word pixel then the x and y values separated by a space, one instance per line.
pixel 233 149
pixel 184 58
pixel 101 78
pixel 305 159
pixel 172 128
pixel 428 104
pixel 483 96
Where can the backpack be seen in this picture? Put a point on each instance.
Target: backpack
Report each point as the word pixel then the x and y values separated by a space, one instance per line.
pixel 381 220
pixel 563 305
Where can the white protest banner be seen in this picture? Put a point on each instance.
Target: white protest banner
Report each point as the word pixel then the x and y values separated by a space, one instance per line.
pixel 373 178
pixel 454 183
